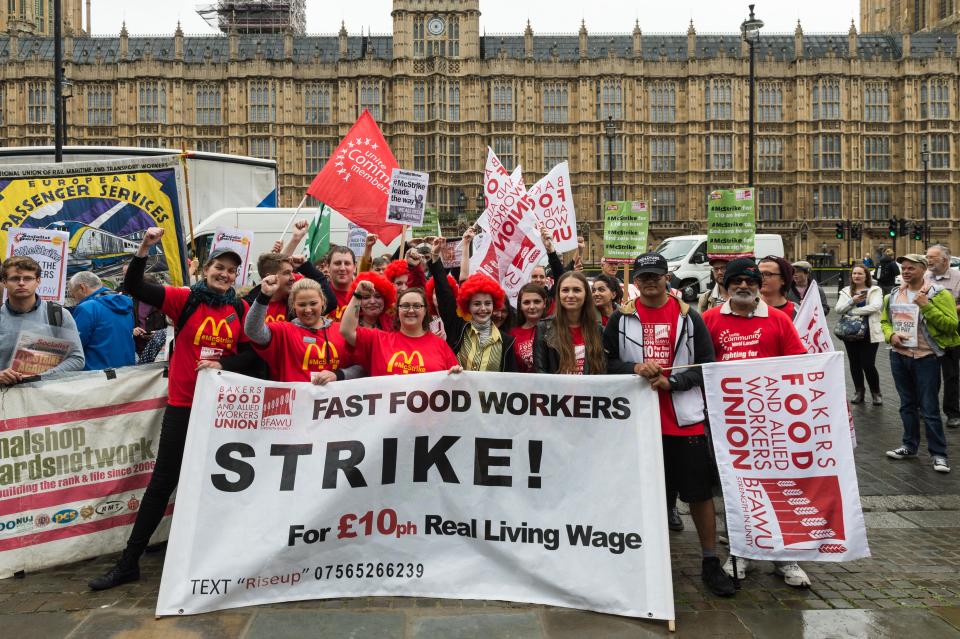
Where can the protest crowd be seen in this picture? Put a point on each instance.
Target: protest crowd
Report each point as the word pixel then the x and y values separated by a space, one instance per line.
pixel 505 301
pixel 341 319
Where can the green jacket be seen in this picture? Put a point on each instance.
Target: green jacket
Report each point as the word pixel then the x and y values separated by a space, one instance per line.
pixel 938 319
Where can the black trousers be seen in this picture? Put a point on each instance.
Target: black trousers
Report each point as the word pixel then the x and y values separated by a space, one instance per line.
pixel 863 363
pixel 173 436
pixel 950 370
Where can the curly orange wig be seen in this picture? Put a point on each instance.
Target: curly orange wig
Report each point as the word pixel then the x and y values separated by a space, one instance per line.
pixel 381 284
pixel 479 283
pixel 431 285
pixel 395 269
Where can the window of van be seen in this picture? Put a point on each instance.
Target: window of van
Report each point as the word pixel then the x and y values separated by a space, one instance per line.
pixel 203 247
pixel 673 250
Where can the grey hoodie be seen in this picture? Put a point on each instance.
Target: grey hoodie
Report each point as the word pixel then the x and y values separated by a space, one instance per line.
pixel 35 321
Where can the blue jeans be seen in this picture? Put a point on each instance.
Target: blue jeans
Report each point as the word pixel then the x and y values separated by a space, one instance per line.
pixel 918 384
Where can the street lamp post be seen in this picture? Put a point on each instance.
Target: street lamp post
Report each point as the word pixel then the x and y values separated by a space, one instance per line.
pixel 610 130
pixel 58 128
pixel 750 32
pixel 925 158
pixel 461 212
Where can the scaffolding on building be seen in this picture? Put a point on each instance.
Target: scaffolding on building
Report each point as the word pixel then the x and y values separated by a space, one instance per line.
pixel 256 16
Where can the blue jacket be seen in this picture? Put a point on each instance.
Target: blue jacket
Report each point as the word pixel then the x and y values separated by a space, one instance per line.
pixel 105 323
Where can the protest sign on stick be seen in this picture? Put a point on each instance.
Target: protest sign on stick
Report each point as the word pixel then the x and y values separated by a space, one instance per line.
pixel 731 223
pixel 625 227
pixel 553 207
pixel 239 241
pixel 408 197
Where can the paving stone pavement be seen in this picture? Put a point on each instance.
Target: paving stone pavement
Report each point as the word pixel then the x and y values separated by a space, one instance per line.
pixel 908 587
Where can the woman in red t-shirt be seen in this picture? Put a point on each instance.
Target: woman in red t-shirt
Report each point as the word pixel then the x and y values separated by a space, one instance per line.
pixel 211 332
pixel 607 294
pixel 778 284
pixel 410 349
pixel 377 309
pixel 307 349
pixel 532 306
pixel 571 341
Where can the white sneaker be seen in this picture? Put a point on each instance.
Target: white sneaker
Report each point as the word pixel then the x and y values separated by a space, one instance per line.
pixel 742 566
pixel 793 575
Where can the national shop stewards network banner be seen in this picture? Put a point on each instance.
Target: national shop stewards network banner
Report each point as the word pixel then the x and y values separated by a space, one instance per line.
pixel 105 207
pixel 76 454
pixel 781 433
pixel 470 486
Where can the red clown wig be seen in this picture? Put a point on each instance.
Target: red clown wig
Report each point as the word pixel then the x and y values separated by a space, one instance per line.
pixel 395 269
pixel 479 283
pixel 382 286
pixel 431 285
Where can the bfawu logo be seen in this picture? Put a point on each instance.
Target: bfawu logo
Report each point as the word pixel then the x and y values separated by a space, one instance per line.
pixel 277 408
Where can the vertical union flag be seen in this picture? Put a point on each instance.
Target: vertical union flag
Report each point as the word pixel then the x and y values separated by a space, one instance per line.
pixel 318 234
pixel 355 181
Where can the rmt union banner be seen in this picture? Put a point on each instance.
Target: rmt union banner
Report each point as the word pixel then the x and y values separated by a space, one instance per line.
pixel 781 433
pixel 470 486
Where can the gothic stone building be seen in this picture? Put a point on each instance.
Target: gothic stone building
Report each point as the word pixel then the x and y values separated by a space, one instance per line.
pixel 841 118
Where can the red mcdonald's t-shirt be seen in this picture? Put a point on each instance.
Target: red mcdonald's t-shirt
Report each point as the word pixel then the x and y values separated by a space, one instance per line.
pixel 393 353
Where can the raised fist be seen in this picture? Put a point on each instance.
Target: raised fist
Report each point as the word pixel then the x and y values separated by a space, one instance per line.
pixel 366 288
pixel 269 285
pixel 371 239
pixel 153 236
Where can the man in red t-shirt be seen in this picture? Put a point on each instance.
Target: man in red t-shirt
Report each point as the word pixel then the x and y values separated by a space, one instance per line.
pixel 746 327
pixel 651 333
pixel 343 268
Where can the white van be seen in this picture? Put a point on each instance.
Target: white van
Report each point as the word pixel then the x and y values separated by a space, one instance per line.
pixel 267 225
pixel 686 256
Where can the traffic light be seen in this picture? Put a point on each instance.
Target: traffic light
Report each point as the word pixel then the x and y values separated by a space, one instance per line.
pixel 918 231
pixel 839 230
pixel 904 227
pixel 892 227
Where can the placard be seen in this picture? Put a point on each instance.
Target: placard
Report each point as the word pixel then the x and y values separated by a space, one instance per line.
pixel 50 250
pixel 408 197
pixel 625 228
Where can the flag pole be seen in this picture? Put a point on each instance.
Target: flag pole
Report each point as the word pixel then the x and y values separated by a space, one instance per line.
pixel 293 217
pixel 403 242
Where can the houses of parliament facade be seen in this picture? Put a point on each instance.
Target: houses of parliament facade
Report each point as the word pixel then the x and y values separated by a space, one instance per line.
pixel 841 119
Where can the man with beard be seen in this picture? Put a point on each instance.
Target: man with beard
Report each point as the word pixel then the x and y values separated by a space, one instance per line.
pixel 746 327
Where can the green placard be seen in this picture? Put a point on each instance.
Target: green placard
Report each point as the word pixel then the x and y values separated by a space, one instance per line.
pixel 430 226
pixel 731 223
pixel 625 226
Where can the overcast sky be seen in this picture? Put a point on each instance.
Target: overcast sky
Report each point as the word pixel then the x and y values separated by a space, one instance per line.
pixel 510 16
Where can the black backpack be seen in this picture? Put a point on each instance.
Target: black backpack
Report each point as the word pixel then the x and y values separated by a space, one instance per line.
pixel 54 314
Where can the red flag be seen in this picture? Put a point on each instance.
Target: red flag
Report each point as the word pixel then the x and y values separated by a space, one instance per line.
pixel 355 181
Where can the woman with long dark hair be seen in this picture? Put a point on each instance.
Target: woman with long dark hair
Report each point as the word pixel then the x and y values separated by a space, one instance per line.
pixel 864 301
pixel 532 304
pixel 209 320
pixel 570 342
pixel 607 295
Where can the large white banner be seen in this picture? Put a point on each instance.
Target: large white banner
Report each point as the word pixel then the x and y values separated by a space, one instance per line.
pixel 781 436
pixel 470 486
pixel 553 199
pixel 76 454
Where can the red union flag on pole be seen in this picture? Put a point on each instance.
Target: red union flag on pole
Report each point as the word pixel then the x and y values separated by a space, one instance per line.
pixel 781 436
pixel 355 181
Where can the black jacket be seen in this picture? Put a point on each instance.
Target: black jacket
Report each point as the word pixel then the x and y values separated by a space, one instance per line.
pixel 455 326
pixel 546 358
pixel 887 272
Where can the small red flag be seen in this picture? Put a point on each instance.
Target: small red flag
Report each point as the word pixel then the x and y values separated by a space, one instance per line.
pixel 355 181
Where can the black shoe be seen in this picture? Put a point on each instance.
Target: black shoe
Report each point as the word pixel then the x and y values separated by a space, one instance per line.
pixel 674 522
pixel 717 581
pixel 123 572
pixel 857 397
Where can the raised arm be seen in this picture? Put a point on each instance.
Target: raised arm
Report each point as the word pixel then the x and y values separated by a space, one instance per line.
pixel 255 323
pixel 299 232
pixel 351 316
pixel 468 236
pixel 133 283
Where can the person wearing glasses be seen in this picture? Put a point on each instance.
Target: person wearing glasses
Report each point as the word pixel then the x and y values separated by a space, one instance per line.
pixel 778 287
pixel 718 294
pixel 24 309
pixel 411 348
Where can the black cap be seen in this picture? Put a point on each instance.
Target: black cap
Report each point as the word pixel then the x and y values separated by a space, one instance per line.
pixel 742 267
pixel 220 252
pixel 650 263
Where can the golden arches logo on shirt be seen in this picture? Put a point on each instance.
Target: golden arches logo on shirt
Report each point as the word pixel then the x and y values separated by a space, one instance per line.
pixel 279 317
pixel 401 363
pixel 213 337
pixel 320 357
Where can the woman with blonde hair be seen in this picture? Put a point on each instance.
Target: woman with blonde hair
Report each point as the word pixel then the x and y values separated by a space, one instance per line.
pixel 571 342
